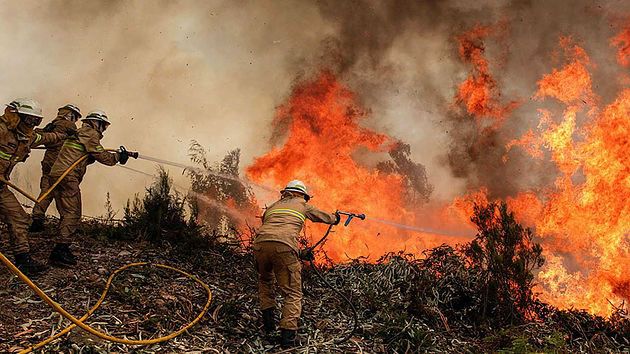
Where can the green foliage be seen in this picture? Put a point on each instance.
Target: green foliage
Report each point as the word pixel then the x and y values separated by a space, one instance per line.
pixel 217 192
pixel 506 257
pixel 161 212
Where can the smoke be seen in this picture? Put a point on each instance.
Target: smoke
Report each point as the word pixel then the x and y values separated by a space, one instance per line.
pixel 168 72
pixel 402 57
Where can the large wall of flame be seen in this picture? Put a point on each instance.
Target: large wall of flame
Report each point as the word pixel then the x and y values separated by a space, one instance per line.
pixel 459 81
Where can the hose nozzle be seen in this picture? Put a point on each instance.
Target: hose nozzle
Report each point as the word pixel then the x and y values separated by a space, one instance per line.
pixel 350 216
pixel 133 154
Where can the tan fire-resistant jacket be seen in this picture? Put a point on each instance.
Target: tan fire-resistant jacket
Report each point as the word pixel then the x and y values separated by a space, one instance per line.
pixel 284 219
pixel 15 147
pixel 86 141
pixel 58 125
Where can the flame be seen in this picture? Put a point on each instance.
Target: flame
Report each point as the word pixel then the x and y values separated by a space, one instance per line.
pixel 622 42
pixel 479 93
pixel 584 225
pixel 324 137
pixel 582 220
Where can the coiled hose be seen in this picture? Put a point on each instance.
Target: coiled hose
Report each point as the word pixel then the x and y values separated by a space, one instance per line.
pixel 78 322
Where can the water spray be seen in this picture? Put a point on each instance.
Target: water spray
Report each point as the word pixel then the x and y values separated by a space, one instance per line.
pixel 270 189
pixel 424 230
pixel 232 211
pixel 201 170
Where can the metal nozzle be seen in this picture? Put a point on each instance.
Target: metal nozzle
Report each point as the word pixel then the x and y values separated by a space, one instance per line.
pixel 133 154
pixel 350 216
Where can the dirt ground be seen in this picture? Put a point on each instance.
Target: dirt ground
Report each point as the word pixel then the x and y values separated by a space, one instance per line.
pixel 143 301
pixel 147 302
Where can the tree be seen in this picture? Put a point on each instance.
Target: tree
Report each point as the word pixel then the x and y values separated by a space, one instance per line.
pixel 505 254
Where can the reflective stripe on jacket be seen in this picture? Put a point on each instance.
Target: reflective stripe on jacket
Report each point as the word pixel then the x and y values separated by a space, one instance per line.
pixel 15 148
pixel 284 219
pixel 58 125
pixel 88 141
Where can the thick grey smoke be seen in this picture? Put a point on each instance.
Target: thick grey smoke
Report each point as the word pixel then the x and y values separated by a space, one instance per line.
pixel 168 72
pixel 402 58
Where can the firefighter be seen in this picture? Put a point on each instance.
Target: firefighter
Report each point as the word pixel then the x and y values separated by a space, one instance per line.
pixel 17 137
pixel 67 116
pixel 67 195
pixel 277 256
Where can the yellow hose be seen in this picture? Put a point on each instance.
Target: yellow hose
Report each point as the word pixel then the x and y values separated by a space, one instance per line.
pixel 63 175
pixel 79 322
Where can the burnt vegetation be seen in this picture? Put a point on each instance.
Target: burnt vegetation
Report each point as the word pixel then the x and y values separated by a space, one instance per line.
pixel 477 297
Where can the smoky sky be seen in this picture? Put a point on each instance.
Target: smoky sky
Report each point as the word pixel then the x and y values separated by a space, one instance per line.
pixel 373 36
pixel 168 72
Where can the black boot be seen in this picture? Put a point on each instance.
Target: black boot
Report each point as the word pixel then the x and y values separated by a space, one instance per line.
pixel 61 256
pixel 287 338
pixel 37 225
pixel 28 265
pixel 269 321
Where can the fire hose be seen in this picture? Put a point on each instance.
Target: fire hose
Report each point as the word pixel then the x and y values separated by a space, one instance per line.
pixel 308 255
pixel 79 322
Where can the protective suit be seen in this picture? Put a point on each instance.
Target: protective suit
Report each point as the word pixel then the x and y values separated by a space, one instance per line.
pixel 16 140
pixel 67 195
pixel 64 123
pixel 277 256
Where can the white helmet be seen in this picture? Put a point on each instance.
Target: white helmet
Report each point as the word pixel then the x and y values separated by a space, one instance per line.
pixel 298 187
pixel 74 108
pixel 27 106
pixel 99 116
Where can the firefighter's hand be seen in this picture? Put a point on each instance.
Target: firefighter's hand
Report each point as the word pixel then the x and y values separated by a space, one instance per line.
pixel 123 155
pixel 307 255
pixel 70 132
pixel 338 218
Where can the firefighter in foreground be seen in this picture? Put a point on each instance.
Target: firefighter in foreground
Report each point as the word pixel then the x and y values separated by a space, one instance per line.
pixel 67 195
pixel 17 137
pixel 67 117
pixel 277 255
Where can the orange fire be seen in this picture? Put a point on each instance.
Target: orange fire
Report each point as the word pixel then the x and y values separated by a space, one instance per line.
pixel 323 141
pixel 622 42
pixel 582 220
pixel 479 93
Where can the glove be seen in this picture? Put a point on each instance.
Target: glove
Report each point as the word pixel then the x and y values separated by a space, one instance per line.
pixel 307 255
pixel 123 156
pixel 338 218
pixel 71 132
pixel 48 128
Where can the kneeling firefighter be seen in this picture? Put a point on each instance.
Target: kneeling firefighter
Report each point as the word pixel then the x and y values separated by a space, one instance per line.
pixel 67 116
pixel 17 137
pixel 276 253
pixel 67 195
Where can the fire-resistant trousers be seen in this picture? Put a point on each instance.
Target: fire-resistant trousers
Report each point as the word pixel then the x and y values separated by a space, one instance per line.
pixel 16 219
pixel 279 261
pixel 68 201
pixel 39 210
